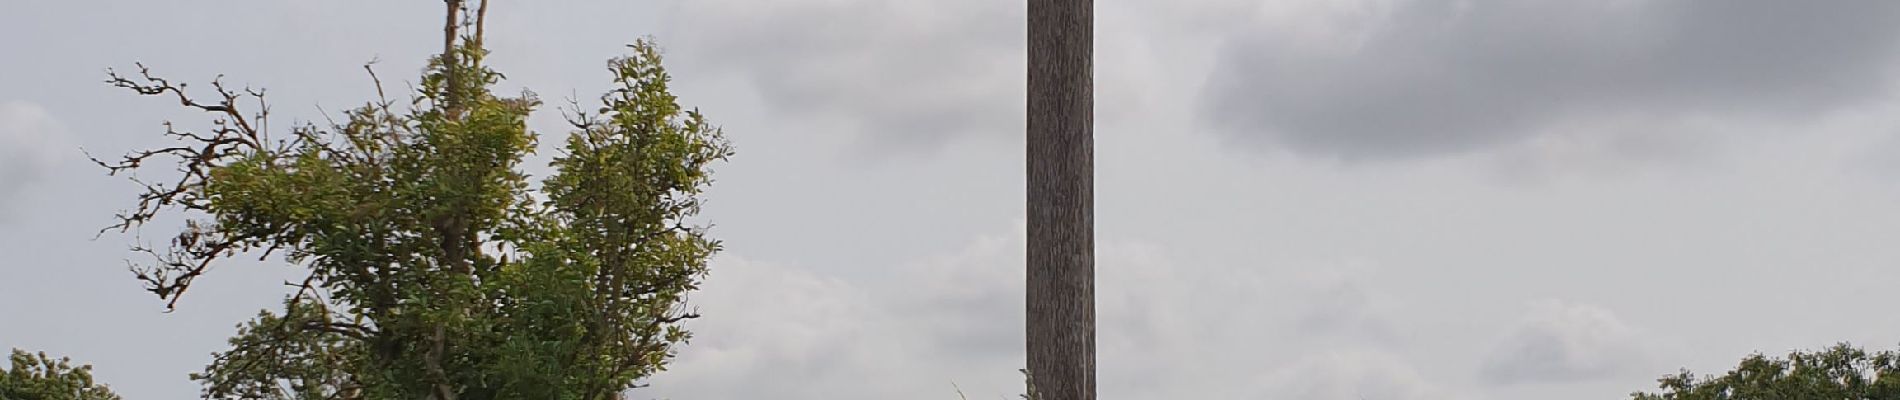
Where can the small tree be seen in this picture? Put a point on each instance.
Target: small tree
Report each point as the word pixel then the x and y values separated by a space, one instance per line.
pixel 1840 372
pixel 41 377
pixel 436 270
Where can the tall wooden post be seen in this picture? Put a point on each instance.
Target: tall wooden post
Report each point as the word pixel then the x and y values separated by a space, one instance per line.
pixel 1061 200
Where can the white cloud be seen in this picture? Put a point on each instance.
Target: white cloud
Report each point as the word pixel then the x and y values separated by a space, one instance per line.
pixel 781 331
pixel 1351 375
pixel 29 140
pixel 1561 342
pixel 1168 329
pixel 1339 304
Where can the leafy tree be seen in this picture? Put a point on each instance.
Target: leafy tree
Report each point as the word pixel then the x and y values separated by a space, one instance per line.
pixel 437 269
pixel 40 377
pixel 1840 372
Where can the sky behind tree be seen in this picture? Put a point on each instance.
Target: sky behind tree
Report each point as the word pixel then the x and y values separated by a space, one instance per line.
pixel 1379 199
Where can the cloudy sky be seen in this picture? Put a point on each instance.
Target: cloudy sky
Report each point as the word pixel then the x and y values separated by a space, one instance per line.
pixel 1337 199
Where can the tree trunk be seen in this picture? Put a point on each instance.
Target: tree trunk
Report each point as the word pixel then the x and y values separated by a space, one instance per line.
pixel 1061 200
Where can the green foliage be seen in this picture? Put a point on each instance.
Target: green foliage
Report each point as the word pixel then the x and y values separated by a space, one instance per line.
pixel 436 268
pixel 40 377
pixel 1840 372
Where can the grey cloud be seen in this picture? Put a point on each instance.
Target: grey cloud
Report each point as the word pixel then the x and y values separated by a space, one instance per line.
pixel 894 73
pixel 1433 77
pixel 1561 342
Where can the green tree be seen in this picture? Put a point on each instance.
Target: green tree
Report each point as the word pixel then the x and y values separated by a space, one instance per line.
pixel 437 268
pixel 40 377
pixel 1840 372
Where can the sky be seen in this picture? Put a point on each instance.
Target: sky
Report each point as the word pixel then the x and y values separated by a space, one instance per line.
pixel 1312 199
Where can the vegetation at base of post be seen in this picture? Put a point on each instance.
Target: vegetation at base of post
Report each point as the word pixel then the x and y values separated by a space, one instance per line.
pixel 1029 388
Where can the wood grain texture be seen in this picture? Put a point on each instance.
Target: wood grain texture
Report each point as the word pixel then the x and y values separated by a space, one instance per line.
pixel 1061 200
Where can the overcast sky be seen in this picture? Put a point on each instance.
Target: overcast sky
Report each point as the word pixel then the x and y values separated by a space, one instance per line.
pixel 1326 199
